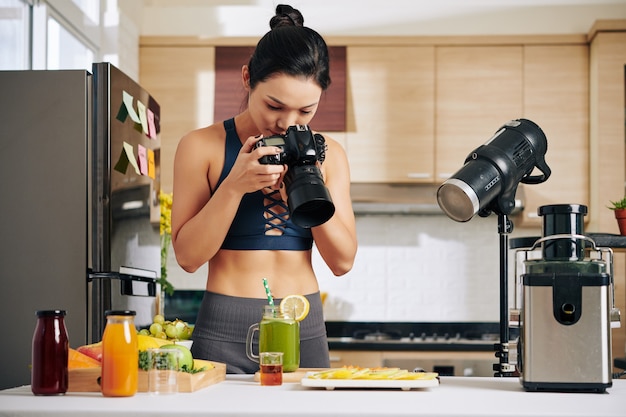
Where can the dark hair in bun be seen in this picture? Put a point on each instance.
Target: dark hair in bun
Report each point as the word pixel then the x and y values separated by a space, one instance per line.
pixel 290 48
pixel 286 16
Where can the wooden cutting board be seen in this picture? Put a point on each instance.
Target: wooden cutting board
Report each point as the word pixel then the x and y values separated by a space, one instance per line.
pixel 86 380
pixel 292 376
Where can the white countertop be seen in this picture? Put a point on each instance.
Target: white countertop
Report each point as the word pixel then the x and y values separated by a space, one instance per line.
pixel 241 396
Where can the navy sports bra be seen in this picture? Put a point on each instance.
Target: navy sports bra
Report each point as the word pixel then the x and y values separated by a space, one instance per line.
pixel 257 224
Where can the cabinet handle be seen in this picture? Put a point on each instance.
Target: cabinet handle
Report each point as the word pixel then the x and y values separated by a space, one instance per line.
pixel 418 175
pixel 335 358
pixel 444 175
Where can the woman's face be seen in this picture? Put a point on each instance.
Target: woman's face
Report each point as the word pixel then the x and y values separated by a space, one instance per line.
pixel 282 101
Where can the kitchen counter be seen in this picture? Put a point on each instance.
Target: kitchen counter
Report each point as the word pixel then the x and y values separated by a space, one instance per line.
pixel 239 395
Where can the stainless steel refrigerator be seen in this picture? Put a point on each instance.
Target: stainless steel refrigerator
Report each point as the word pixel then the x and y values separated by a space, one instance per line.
pixel 79 206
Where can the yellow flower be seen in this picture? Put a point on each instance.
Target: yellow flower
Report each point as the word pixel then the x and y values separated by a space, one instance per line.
pixel 166 213
pixel 165 229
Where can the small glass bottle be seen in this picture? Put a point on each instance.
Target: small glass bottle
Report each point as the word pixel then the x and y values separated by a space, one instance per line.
pixel 120 358
pixel 49 374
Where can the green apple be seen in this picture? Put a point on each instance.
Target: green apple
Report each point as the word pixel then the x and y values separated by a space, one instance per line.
pixel 185 359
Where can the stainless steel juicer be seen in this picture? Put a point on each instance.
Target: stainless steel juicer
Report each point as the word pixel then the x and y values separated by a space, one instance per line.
pixel 564 290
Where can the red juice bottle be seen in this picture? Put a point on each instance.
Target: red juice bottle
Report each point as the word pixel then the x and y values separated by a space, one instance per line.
pixel 49 375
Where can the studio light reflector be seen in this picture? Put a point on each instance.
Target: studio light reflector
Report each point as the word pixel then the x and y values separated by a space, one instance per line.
pixel 488 181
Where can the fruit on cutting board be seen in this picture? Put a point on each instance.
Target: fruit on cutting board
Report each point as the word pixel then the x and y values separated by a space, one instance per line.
pixel 169 330
pixel 186 359
pixel 77 360
pixel 149 342
pixel 93 350
pixel 200 365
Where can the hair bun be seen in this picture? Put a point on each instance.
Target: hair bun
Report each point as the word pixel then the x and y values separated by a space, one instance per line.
pixel 286 16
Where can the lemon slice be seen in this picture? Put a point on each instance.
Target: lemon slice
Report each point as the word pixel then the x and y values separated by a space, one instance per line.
pixel 296 305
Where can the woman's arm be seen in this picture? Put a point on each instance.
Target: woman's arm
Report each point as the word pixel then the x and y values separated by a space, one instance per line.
pixel 200 218
pixel 336 239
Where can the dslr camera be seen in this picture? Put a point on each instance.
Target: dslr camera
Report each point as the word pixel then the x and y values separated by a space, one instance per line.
pixel 308 198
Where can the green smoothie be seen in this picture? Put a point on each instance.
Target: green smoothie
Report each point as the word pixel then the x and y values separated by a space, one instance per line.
pixel 279 334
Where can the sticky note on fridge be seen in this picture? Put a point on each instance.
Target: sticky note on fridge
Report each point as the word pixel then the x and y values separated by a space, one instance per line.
pixel 143 159
pixel 127 157
pixel 151 125
pixel 131 156
pixel 141 110
pixel 127 109
pixel 151 166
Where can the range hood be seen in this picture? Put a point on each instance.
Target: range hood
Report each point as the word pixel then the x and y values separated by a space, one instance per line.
pixel 389 198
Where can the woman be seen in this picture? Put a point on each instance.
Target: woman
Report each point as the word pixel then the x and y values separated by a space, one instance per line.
pixel 230 210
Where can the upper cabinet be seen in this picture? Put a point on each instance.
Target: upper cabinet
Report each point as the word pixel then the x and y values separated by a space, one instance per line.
pixel 479 88
pixel 390 131
pixel 182 80
pixel 556 97
pixel 415 113
pixel 415 108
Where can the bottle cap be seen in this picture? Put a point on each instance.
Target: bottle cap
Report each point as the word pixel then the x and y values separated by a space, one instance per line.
pixel 120 313
pixel 46 313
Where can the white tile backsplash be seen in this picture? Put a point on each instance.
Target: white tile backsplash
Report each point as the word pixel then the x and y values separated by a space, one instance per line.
pixel 417 268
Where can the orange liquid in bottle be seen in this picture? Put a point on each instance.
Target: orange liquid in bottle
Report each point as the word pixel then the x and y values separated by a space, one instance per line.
pixel 120 358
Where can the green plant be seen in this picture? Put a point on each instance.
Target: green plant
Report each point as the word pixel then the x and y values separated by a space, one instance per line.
pixel 165 230
pixel 619 204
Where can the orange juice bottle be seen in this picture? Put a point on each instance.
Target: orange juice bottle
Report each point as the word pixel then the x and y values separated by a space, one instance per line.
pixel 120 357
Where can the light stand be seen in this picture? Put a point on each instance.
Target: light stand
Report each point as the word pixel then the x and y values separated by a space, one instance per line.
pixel 487 183
pixel 503 368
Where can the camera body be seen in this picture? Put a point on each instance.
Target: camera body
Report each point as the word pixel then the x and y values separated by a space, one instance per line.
pixel 309 201
pixel 299 146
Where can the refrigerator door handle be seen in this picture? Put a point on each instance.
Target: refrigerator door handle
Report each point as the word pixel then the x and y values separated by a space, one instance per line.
pixel 130 284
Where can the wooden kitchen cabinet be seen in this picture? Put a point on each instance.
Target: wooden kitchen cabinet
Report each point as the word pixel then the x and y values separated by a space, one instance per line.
pixel 607 147
pixel 556 97
pixel 181 79
pixel 416 109
pixel 364 358
pixel 479 88
pixel 465 363
pixel 459 363
pixel 390 130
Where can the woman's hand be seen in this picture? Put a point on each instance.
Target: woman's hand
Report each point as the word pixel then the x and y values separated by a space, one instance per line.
pixel 249 175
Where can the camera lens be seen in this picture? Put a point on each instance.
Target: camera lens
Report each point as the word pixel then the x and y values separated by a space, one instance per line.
pixel 308 198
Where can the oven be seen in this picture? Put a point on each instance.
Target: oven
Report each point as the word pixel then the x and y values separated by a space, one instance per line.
pixel 451 349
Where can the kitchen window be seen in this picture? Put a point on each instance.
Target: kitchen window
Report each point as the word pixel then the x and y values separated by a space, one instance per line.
pixel 14 34
pixel 50 34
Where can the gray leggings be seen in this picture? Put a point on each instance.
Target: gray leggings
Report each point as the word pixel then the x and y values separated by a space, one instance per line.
pixel 222 325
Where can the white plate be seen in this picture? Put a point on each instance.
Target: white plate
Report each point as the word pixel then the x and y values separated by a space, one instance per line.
pixel 403 384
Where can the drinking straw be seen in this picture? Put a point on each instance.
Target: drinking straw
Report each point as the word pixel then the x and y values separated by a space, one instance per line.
pixel 270 299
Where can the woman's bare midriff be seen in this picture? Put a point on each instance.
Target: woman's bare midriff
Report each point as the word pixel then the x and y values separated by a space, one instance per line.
pixel 241 273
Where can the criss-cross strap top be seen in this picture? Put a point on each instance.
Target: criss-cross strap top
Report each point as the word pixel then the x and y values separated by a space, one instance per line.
pixel 262 221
